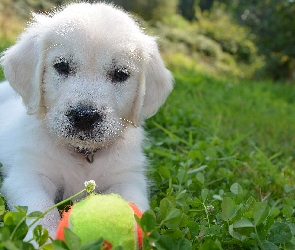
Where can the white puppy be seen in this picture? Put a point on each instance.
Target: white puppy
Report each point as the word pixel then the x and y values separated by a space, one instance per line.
pixel 87 77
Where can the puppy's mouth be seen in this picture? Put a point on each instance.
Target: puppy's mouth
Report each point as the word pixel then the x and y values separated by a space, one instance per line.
pixel 85 128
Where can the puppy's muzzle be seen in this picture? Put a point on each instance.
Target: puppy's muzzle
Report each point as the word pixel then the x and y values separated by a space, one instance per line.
pixel 84 117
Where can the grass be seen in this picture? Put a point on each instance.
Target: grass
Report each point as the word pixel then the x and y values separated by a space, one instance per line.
pixel 242 119
pixel 213 137
pixel 222 166
pixel 248 116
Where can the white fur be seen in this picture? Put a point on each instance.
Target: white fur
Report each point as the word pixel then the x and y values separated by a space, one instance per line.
pixel 36 138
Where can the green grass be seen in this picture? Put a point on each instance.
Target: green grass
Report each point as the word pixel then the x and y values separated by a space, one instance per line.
pixel 218 140
pixel 243 120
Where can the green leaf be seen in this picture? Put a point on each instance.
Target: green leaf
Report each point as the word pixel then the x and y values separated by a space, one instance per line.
pixel 48 246
pixel 73 242
pixel 10 245
pixel 194 228
pixel 292 227
pixel 287 211
pixel 154 236
pixel 204 194
pixel 164 207
pixel 250 203
pixel 184 244
pixel 280 233
pixel 26 246
pixel 289 201
pixel 35 215
pixel 210 245
pixel 2 206
pixel 59 245
pixel 242 223
pixel 148 221
pixel 164 172
pixel 93 245
pixel 236 188
pixel 269 245
pixel 173 218
pixel 164 243
pixel 260 212
pixel 4 233
pixel 268 223
pixel 22 209
pixel 40 235
pixel 196 202
pixel 235 234
pixel 274 212
pixel 173 213
pixel 12 218
pixel 182 175
pixel 229 209
pixel 20 231
pixel 17 224
pixel 212 231
pixel 181 195
pixel 200 177
pixel 243 226
pixel 288 188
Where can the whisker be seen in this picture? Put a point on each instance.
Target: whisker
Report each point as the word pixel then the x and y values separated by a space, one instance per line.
pixel 127 121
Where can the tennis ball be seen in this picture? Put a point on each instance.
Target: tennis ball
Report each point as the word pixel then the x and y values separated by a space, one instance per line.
pixel 107 216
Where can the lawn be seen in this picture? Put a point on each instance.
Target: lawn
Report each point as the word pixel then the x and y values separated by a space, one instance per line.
pixel 222 166
pixel 246 127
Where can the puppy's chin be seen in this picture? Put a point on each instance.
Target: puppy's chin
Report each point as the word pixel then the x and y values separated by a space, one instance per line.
pixel 89 141
pixel 90 144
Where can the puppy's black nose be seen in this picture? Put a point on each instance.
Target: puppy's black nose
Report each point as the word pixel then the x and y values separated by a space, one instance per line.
pixel 84 117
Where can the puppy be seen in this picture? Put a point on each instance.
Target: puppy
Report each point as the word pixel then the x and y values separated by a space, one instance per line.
pixel 81 83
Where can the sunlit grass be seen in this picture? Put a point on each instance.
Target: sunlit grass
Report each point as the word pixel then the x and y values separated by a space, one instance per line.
pixel 252 121
pixel 215 136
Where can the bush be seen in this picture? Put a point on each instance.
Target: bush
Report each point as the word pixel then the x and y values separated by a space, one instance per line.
pixel 233 38
pixel 273 24
pixel 213 40
pixel 185 38
pixel 149 10
pixel 10 27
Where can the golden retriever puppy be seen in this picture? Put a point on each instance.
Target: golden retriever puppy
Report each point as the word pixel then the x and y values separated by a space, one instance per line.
pixel 86 78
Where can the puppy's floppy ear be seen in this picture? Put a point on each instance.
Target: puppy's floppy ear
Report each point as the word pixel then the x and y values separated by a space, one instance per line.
pixel 155 87
pixel 23 67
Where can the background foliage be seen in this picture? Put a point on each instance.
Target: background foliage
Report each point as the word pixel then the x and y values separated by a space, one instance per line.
pixel 272 23
pixel 239 37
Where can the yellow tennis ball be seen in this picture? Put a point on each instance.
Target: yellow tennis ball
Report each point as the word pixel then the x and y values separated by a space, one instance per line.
pixel 107 216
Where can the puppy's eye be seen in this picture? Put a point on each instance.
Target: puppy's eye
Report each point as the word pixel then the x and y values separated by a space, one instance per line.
pixel 119 75
pixel 62 67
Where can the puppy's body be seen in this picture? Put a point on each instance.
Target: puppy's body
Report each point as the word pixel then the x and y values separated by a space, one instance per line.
pixel 39 170
pixel 87 78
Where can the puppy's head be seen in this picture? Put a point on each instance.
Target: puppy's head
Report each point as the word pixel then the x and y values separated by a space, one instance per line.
pixel 89 72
